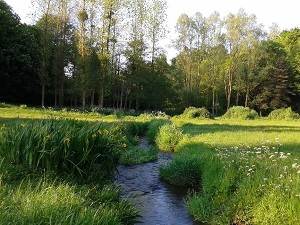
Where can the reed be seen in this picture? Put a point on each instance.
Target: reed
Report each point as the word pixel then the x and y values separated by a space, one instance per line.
pixel 65 146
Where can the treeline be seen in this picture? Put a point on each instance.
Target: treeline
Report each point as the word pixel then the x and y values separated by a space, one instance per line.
pixel 108 53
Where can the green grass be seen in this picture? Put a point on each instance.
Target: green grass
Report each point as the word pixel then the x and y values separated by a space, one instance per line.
pixel 65 146
pixel 249 170
pixel 44 201
pixel 56 167
pixel 135 155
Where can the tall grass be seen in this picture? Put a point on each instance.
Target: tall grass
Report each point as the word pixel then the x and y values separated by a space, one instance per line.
pixel 168 137
pixel 65 146
pixel 52 202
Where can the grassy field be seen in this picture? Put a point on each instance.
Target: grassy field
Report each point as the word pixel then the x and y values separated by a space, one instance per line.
pixel 249 170
pixel 242 171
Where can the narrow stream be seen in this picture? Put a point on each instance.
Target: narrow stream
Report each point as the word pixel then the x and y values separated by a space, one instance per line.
pixel 159 203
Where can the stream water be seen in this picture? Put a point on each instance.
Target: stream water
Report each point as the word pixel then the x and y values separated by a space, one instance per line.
pixel 158 202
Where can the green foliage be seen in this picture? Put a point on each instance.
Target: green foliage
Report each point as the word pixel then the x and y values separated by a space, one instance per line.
pixel 133 128
pixel 65 146
pixel 184 170
pixel 199 113
pixel 240 112
pixel 168 137
pixel 154 127
pixel 136 155
pixel 283 114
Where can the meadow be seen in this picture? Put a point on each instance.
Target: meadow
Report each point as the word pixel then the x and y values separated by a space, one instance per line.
pixel 245 171
pixel 57 166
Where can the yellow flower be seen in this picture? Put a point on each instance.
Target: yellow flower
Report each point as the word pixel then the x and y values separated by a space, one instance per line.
pixel 3 127
pixel 106 132
pixel 99 131
pixel 94 136
pixel 66 139
pixel 124 145
pixel 22 124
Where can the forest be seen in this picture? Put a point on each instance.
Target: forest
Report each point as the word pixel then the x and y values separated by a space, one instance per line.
pixel 109 54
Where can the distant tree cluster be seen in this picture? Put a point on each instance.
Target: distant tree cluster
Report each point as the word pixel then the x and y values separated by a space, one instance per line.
pixel 107 53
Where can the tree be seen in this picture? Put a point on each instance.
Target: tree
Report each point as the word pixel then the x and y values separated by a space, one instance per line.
pixel 290 39
pixel 275 89
pixel 19 58
pixel 242 32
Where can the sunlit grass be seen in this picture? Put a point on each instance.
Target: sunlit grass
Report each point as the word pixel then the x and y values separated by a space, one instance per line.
pixel 52 202
pixel 250 172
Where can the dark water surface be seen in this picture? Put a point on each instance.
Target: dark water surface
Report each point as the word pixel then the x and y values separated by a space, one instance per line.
pixel 159 203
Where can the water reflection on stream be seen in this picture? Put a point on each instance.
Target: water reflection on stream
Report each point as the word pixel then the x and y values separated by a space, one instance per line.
pixel 159 203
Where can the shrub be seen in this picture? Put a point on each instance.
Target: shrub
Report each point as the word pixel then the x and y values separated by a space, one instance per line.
pixel 154 127
pixel 136 155
pixel 184 170
pixel 240 112
pixel 168 137
pixel 193 112
pixel 283 114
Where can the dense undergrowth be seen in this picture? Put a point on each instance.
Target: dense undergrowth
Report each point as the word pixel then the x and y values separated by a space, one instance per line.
pixel 245 168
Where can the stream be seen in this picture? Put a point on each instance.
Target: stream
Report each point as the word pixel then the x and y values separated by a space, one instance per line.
pixel 158 202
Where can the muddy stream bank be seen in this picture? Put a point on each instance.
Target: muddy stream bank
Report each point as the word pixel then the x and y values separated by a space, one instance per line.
pixel 159 203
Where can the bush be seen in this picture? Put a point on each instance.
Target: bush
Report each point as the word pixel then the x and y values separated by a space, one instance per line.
pixel 168 137
pixel 184 170
pixel 193 112
pixel 154 127
pixel 240 112
pixel 283 114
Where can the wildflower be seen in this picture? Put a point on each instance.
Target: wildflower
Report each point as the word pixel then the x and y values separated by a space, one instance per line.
pixel 295 165
pixel 99 131
pixel 94 136
pixel 276 139
pixel 265 179
pixel 285 167
pixel 124 145
pixel 288 153
pixel 66 140
pixel 22 124
pixel 105 132
pixel 298 171
pixel 3 127
pixel 280 176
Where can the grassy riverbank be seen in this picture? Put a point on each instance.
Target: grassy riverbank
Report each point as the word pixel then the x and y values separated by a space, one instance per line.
pixel 248 169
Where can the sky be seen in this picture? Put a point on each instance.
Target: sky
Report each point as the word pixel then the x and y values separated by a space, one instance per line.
pixel 283 12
